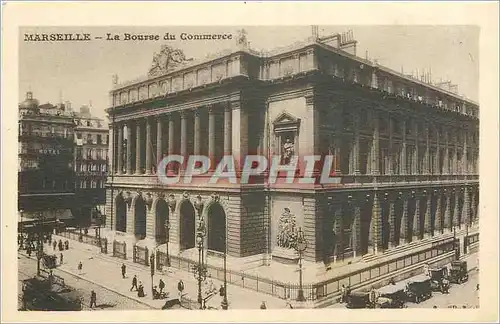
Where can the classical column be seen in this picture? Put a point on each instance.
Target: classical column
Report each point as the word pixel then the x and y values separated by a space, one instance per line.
pixel 416 219
pixel 403 230
pixel 426 152
pixel 456 209
pixel 228 122
pixel 355 148
pixel 392 221
pixel 239 140
pixel 356 228
pixel 149 146
pixel 472 207
pixel 466 207
pixel 455 154
pixel 446 163
pixel 403 148
pixel 376 224
pixel 437 156
pixel 129 147
pixel 197 132
pixel 427 216
pixel 375 156
pixel 159 139
pixel 211 135
pixel 119 149
pixel 337 153
pixel 438 218
pixel 391 146
pixel 138 147
pixel 184 140
pixel 448 224
pixel 111 149
pixel 171 134
pixel 465 163
pixel 415 165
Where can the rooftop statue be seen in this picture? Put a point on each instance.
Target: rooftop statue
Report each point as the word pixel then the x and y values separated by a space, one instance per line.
pixel 167 60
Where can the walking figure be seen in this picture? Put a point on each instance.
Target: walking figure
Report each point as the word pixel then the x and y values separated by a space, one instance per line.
pixel 161 285
pixel 134 283
pixel 140 290
pixel 124 270
pixel 61 258
pixel 342 294
pixel 80 266
pixel 60 245
pixel 54 245
pixel 93 299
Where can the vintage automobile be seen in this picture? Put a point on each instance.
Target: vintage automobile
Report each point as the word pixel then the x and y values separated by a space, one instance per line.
pixel 359 299
pixel 439 279
pixel 458 272
pixel 392 296
pixel 419 288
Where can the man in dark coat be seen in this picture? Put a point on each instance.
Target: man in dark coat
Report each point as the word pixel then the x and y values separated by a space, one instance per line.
pixel 124 270
pixel 134 283
pixel 93 299
pixel 161 285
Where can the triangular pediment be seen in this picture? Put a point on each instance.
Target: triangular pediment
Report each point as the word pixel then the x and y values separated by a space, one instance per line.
pixel 286 118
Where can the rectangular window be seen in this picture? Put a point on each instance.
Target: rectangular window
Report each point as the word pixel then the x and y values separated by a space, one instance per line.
pixel 99 139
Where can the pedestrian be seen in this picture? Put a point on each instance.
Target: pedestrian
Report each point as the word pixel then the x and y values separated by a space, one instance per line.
pixel 342 294
pixel 61 258
pixel 161 285
pixel 221 291
pixel 93 299
pixel 140 290
pixel 66 245
pixel 134 283
pixel 54 245
pixel 80 266
pixel 60 245
pixel 263 305
pixel 180 286
pixel 477 287
pixel 124 270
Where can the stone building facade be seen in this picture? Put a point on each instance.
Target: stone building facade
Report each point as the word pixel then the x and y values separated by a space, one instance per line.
pixel 91 164
pixel 46 182
pixel 405 153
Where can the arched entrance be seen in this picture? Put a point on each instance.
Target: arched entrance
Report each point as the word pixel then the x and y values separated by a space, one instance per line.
pixel 216 228
pixel 188 225
pixel 121 214
pixel 140 219
pixel 162 214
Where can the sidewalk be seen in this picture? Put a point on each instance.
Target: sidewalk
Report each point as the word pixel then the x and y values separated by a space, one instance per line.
pixel 105 270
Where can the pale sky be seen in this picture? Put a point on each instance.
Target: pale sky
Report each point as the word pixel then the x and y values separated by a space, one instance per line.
pixel 82 71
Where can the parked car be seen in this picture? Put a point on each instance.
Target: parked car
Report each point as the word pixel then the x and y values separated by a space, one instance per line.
pixel 359 299
pixel 458 272
pixel 392 296
pixel 439 279
pixel 419 288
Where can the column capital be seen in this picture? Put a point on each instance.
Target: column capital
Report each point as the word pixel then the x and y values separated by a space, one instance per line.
pixel 234 104
pixel 183 113
pixel 196 112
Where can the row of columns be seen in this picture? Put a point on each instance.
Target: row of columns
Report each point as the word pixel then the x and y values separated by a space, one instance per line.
pixel 389 220
pixel 183 151
pixel 467 165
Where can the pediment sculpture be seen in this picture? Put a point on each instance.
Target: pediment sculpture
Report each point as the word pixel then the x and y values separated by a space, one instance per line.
pixel 287 230
pixel 167 60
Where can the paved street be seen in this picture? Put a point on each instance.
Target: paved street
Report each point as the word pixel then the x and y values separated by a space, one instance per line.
pixel 106 299
pixel 105 270
pixel 460 295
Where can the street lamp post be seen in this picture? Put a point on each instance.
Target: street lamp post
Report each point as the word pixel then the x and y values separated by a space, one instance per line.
pixel 301 247
pixel 167 238
pixel 224 303
pixel 40 244
pixel 152 267
pixel 200 236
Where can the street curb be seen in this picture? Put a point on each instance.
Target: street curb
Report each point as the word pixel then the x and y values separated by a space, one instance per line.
pixel 106 287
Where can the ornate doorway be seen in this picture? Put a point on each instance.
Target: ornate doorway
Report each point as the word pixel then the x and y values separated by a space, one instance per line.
pixel 188 225
pixel 216 228
pixel 121 214
pixel 140 219
pixel 162 215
